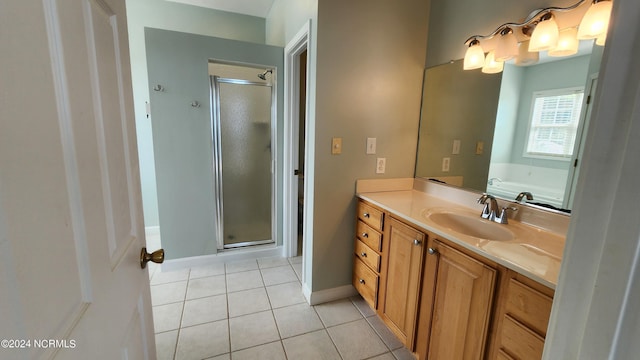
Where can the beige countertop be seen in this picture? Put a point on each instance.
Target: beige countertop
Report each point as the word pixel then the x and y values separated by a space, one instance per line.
pixel 531 251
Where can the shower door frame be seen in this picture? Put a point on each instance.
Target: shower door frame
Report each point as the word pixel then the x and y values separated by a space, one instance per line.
pixel 216 141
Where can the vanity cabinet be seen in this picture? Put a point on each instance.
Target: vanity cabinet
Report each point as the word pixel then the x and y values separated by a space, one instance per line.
pixel 368 255
pixel 522 317
pixel 456 302
pixel 400 282
pixel 442 300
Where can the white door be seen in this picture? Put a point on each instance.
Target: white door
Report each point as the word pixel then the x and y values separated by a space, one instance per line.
pixel 71 230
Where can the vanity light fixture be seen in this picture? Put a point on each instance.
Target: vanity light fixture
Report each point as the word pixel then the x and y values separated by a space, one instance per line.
pixel 545 35
pixel 491 66
pixel 567 43
pixel 474 57
pixel 596 21
pixel 539 32
pixel 525 57
pixel 507 45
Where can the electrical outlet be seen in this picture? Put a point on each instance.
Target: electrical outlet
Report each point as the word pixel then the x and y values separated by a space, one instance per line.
pixel 479 147
pixel 456 147
pixel 445 164
pixel 336 146
pixel 371 146
pixel 381 164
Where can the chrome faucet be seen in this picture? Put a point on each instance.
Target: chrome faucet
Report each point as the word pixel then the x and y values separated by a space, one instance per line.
pixel 522 195
pixel 490 209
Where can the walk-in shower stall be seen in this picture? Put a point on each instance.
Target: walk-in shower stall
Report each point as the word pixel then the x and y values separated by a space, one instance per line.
pixel 242 133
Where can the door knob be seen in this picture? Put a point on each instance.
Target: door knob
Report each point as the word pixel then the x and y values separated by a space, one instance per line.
pixel 156 256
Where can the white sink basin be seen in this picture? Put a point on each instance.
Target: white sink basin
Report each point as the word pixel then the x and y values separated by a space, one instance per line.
pixel 470 225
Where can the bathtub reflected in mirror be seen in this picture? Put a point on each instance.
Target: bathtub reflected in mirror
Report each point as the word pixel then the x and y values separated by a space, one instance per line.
pixel 476 128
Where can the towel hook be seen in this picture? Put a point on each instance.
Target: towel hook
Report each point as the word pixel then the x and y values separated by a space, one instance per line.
pixel 158 87
pixel 195 104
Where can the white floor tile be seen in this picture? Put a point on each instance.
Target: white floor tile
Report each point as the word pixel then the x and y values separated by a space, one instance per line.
pixel 161 277
pixel 297 268
pixel 166 345
pixel 271 351
pixel 204 287
pixel 221 357
pixel 285 294
pixel 248 302
pixel 167 317
pixel 269 262
pixel 337 312
pixel 403 354
pixel 362 306
pixel 168 293
pixel 385 356
pixel 204 310
pixel 278 275
pixel 244 281
pixel 356 340
pixel 295 260
pixel 203 341
pixel 244 265
pixel 312 346
pixel 208 270
pixel 296 320
pixel 251 330
pixel 388 337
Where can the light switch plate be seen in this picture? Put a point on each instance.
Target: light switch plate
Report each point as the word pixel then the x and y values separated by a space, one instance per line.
pixel 336 146
pixel 371 146
pixel 479 147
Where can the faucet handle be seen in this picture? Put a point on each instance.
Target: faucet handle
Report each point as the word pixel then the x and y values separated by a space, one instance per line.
pixel 503 218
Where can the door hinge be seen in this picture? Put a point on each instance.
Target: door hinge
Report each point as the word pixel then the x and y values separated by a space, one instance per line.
pixel 588 99
pixel 575 163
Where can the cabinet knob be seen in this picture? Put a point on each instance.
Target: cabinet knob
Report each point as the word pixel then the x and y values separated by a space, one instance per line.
pixel 363 254
pixel 361 281
pixel 366 215
pixel 417 242
pixel 432 251
pixel 365 235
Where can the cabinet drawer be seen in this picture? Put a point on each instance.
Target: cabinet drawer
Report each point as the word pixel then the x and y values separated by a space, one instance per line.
pixel 519 341
pixel 366 282
pixel 371 216
pixel 369 236
pixel 503 356
pixel 528 306
pixel 368 256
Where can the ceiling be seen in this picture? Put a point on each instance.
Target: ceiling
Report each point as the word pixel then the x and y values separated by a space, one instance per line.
pixel 259 8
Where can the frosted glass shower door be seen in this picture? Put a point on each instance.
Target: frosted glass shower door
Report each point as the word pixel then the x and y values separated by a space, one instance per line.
pixel 242 138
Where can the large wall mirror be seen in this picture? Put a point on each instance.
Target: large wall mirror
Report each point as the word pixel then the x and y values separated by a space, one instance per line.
pixel 504 134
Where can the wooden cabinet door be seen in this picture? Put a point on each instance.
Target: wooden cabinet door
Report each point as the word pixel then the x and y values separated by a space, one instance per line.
pixel 462 301
pixel 403 249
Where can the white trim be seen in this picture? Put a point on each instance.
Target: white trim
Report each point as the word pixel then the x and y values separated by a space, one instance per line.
pixel 323 296
pixel 294 48
pixel 222 257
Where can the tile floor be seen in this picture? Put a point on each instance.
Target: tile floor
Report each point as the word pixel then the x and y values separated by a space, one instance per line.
pixel 255 310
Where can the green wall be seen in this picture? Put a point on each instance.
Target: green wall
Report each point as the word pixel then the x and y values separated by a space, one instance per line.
pixel 370 62
pixel 182 133
pixel 163 14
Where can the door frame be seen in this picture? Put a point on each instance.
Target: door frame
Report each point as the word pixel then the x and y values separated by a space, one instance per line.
pixel 292 51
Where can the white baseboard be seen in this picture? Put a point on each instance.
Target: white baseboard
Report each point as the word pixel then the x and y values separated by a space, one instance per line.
pixel 323 296
pixel 221 257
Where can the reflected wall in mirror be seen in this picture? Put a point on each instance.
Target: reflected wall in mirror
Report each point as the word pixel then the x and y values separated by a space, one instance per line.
pixel 464 108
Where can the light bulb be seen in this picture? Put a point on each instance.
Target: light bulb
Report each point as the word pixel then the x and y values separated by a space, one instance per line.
pixel 491 66
pixel 474 57
pixel 596 21
pixel 567 43
pixel 545 35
